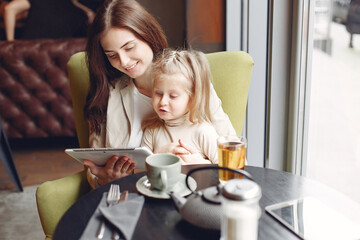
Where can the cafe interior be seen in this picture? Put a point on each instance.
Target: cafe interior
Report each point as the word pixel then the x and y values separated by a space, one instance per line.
pixel 287 76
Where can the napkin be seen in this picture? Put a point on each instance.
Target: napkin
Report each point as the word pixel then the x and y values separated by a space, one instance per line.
pixel 124 216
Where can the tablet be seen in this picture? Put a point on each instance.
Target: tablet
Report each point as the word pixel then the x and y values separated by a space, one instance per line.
pixel 309 218
pixel 100 155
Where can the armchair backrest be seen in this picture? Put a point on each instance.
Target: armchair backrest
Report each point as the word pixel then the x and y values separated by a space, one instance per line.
pixel 79 87
pixel 231 74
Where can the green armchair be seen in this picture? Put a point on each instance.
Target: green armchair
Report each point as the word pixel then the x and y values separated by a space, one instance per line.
pixel 231 73
pixel 54 198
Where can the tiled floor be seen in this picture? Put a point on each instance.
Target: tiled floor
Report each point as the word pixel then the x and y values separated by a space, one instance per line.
pixel 334 129
pixel 19 218
pixel 35 164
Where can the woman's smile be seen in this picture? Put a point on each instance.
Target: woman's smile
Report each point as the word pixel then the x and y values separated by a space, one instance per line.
pixel 132 67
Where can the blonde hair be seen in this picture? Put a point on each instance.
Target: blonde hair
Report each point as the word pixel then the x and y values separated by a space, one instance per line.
pixel 195 67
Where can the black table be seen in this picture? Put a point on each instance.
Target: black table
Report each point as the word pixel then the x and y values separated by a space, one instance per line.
pixel 160 220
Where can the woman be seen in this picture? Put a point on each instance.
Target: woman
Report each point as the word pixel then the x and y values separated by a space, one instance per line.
pixel 124 39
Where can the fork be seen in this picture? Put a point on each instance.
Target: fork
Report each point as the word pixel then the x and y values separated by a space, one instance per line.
pixel 123 197
pixel 112 198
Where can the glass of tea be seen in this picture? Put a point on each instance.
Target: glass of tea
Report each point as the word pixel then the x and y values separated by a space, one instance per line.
pixel 231 154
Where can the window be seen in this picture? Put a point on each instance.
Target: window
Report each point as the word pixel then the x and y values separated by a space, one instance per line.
pixel 333 154
pixel 303 103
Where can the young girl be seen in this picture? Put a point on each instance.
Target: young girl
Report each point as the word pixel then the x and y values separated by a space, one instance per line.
pixel 180 98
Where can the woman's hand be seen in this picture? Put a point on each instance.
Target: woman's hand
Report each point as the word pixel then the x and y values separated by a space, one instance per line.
pixel 116 167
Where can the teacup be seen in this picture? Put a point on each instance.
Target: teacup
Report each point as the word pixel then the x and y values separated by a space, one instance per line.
pixel 163 170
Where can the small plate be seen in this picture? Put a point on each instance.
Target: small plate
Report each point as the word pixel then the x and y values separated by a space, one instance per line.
pixel 143 186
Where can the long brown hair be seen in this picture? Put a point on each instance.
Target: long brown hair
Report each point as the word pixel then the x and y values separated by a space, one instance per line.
pixel 127 14
pixel 195 67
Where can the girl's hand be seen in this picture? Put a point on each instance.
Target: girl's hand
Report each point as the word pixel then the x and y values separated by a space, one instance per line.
pixel 173 148
pixel 186 153
pixel 116 167
pixel 189 148
pixel 194 157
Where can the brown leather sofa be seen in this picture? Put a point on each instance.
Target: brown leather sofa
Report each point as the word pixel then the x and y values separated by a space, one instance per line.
pixel 35 99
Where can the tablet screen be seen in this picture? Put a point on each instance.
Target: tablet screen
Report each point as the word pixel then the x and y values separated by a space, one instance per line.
pixel 309 218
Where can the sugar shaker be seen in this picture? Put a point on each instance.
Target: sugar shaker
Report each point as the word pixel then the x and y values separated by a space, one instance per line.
pixel 240 210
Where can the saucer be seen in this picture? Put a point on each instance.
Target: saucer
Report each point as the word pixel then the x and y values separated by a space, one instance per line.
pixel 143 186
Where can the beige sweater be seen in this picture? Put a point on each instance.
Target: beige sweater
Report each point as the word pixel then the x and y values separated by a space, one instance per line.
pixel 201 136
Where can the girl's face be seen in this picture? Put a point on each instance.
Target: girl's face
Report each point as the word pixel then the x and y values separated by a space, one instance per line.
pixel 126 52
pixel 170 97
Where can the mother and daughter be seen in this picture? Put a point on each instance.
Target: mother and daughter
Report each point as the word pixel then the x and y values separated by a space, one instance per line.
pixel 142 93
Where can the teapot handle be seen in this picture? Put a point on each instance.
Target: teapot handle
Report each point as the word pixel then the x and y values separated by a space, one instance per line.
pixel 240 171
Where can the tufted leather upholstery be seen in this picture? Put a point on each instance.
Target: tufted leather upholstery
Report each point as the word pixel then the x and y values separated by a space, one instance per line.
pixel 35 99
